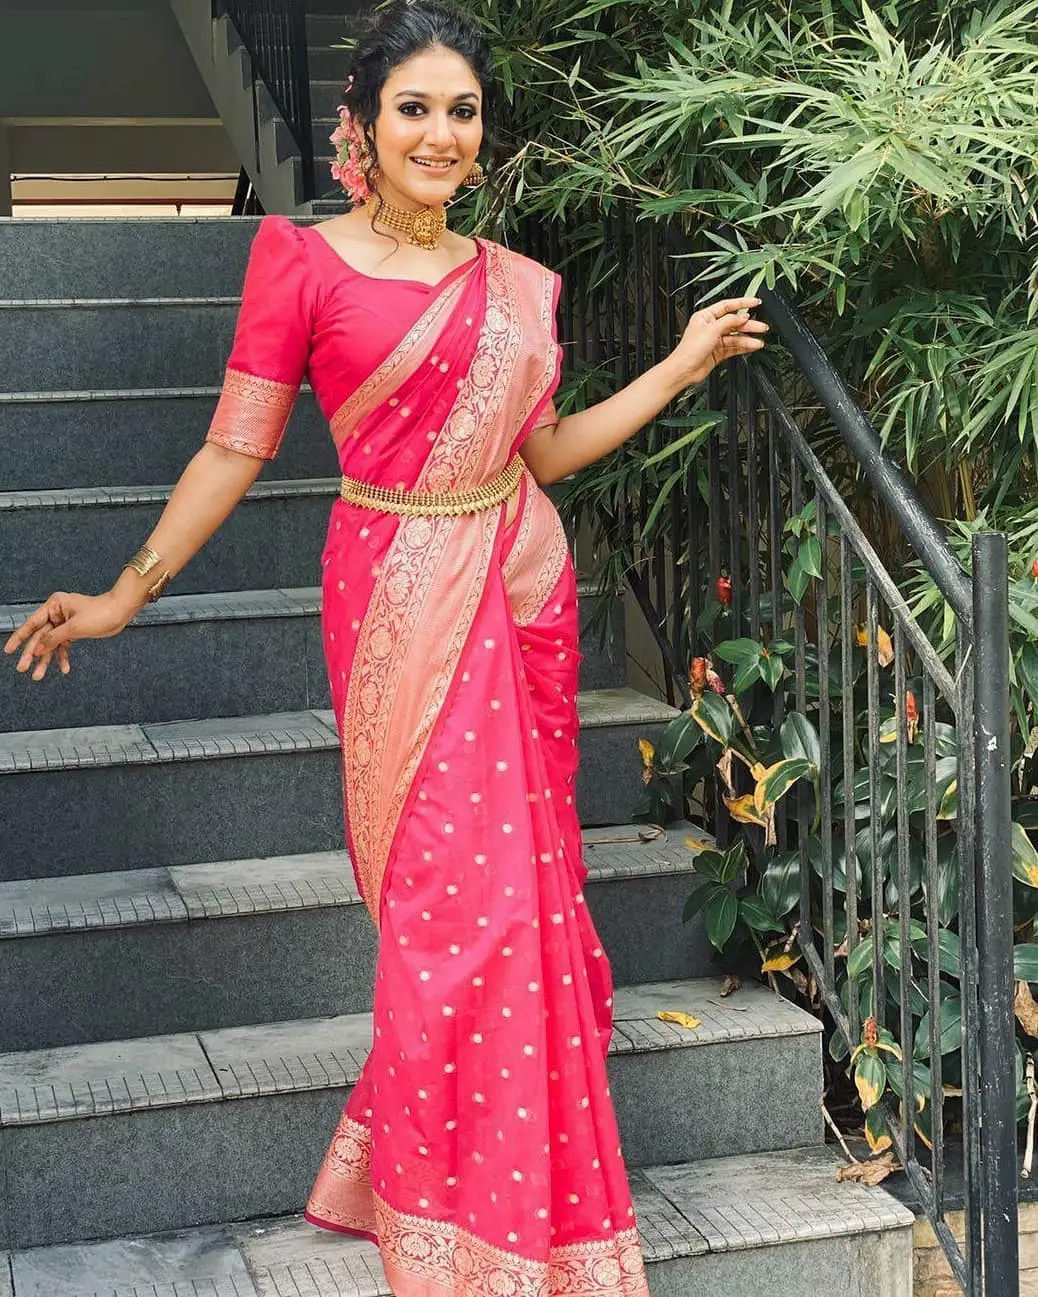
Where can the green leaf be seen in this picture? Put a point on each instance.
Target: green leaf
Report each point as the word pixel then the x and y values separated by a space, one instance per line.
pixel 810 557
pixel 870 1077
pixel 800 739
pixel 950 1038
pixel 771 670
pixel 680 739
pixel 859 961
pixel 756 915
pixel 696 901
pixel 780 884
pixel 721 911
pixel 1025 962
pixel 714 715
pixel 1025 858
pixel 779 779
pixel 709 864
pixel 739 651
pixel 797 580
pixel 734 862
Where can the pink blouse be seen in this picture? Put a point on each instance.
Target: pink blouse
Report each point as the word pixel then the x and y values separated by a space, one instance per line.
pixel 306 312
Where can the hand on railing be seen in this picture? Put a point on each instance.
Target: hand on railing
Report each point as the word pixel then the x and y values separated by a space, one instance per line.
pixel 716 334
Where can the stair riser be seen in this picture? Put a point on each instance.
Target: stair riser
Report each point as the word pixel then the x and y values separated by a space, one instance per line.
pixel 93 820
pixel 133 259
pixel 328 64
pixel 875 1265
pixel 128 681
pixel 84 348
pixel 266 544
pixel 205 1163
pixel 330 28
pixel 62 444
pixel 302 964
pixel 325 98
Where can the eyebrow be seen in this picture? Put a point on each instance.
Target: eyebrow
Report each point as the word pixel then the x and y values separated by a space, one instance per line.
pixel 420 94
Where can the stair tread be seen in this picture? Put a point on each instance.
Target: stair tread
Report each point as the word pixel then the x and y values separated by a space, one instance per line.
pixel 227 605
pixel 72 497
pixel 232 888
pixel 22 751
pixel 683 1212
pixel 120 1076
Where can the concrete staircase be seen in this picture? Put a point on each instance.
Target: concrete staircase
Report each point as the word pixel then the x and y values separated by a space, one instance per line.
pixel 185 966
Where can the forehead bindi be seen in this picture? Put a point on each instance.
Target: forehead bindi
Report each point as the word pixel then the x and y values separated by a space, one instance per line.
pixel 438 75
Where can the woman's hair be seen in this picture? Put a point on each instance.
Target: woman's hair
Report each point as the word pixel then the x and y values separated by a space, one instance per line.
pixel 399 32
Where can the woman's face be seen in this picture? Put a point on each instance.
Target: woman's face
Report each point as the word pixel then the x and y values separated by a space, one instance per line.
pixel 429 130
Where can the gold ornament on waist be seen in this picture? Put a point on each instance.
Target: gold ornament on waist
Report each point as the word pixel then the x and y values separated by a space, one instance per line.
pixel 435 504
pixel 424 229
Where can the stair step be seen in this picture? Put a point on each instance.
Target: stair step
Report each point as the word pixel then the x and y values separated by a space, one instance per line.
pixel 157 342
pixel 273 540
pixel 178 792
pixel 136 436
pixel 197 1105
pixel 165 936
pixel 209 636
pixel 180 257
pixel 733 1233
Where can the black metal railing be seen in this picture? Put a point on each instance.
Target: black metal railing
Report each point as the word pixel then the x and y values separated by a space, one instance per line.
pixel 895 854
pixel 274 34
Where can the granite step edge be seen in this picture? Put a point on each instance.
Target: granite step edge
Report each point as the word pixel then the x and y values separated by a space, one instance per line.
pixel 110 1078
pixel 28 751
pixel 285 1254
pixel 149 897
pixel 87 496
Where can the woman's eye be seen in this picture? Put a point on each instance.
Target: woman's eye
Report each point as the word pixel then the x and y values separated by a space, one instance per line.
pixel 406 109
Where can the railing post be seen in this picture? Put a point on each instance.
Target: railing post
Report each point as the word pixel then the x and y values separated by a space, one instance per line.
pixel 994 882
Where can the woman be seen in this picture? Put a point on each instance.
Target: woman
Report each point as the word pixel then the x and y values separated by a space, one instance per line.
pixel 479 1148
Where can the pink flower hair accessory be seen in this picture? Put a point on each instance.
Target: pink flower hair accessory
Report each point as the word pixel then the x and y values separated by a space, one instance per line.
pixel 352 156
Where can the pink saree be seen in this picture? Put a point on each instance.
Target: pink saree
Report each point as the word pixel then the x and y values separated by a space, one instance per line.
pixel 479 1148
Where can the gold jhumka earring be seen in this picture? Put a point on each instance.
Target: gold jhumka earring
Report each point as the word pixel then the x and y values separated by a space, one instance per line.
pixel 476 178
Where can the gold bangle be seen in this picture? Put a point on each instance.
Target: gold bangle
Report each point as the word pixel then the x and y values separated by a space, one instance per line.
pixel 145 561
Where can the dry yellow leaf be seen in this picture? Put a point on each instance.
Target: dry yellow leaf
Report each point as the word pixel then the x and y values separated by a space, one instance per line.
pixel 648 752
pixel 681 1019
pixel 869 1173
pixel 1026 1009
pixel 744 810
pixel 780 963
pixel 699 844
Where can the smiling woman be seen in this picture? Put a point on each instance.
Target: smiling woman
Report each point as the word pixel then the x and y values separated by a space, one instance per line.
pixel 479 1147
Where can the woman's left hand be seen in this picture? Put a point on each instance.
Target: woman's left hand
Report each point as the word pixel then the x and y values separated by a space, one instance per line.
pixel 716 334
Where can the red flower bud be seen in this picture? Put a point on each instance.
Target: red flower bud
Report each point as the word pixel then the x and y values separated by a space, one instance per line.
pixel 911 710
pixel 715 682
pixel 1034 569
pixel 697 676
pixel 723 587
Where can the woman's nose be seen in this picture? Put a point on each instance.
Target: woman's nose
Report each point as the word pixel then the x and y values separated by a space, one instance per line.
pixel 440 131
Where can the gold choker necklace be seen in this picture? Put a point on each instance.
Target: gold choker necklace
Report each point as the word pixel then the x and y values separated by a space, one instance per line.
pixel 424 229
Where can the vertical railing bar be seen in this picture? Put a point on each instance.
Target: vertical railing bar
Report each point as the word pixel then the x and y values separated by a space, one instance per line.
pixel 965 850
pixel 875 805
pixel 824 783
pixel 796 504
pixel 775 533
pixel 736 383
pixel 995 936
pixel 933 933
pixel 850 824
pixel 904 889
pixel 752 505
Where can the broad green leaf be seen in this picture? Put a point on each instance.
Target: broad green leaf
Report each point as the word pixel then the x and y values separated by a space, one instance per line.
pixel 800 739
pixel 771 670
pixel 1025 857
pixel 1025 962
pixel 780 885
pixel 876 1131
pixel 950 1037
pixel 810 557
pixel 721 912
pixel 715 717
pixel 859 961
pixel 680 739
pixel 779 779
pixel 739 651
pixel 756 915
pixel 870 1078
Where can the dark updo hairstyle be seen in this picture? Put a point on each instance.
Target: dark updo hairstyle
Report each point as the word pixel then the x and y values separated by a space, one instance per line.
pixel 399 32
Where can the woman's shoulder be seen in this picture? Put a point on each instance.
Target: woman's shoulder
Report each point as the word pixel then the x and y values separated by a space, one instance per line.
pixel 521 263
pixel 278 237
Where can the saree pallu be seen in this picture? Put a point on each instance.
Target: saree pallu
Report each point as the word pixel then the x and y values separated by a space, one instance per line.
pixel 479 1148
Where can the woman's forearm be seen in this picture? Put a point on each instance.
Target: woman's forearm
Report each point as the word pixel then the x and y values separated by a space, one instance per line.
pixel 213 483
pixel 581 439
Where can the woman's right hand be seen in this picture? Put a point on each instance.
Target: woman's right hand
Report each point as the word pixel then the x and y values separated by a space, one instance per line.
pixel 63 619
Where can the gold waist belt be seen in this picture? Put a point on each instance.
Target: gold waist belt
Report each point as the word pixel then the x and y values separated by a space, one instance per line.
pixel 449 504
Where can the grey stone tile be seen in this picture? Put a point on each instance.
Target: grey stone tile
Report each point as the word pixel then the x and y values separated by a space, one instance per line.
pixel 291 1258
pixel 6 1286
pixel 275 1058
pixel 99 1079
pixel 240 736
pixel 195 1263
pixel 114 900
pixel 734 1203
pixel 663 1231
pixel 234 887
pixel 636 850
pixel 96 745
pixel 754 1012
pixel 218 606
pixel 307 599
pixel 621 707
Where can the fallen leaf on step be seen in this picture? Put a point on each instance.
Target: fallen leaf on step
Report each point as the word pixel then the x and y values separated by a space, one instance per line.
pixel 682 1019
pixel 869 1173
pixel 698 844
pixel 731 983
pixel 1026 1009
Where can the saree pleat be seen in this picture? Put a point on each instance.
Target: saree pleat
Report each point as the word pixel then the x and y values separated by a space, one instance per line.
pixel 479 1147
